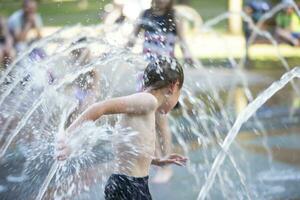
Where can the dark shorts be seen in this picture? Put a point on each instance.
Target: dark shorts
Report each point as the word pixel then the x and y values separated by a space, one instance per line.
pixel 122 187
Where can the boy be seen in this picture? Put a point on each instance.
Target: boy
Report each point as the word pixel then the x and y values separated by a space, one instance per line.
pixel 163 80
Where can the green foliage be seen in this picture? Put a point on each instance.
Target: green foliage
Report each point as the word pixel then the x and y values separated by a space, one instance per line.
pixel 209 9
pixel 59 13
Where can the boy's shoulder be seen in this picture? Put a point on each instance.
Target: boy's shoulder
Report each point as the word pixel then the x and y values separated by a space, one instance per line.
pixel 147 99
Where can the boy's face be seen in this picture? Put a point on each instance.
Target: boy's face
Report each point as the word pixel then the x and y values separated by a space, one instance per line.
pixel 172 97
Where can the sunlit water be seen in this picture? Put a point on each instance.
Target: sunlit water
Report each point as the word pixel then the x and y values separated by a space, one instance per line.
pixel 38 97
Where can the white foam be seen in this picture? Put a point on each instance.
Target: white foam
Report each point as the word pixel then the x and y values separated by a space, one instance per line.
pixel 2 188
pixel 16 179
pixel 273 190
pixel 286 175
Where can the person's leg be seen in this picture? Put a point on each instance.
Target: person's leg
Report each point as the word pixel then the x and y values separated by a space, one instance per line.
pixel 296 35
pixel 286 36
pixel 8 57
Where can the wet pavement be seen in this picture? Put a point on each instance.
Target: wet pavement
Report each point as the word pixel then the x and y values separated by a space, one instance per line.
pixel 267 176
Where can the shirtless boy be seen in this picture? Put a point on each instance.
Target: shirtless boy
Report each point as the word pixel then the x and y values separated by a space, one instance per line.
pixel 162 81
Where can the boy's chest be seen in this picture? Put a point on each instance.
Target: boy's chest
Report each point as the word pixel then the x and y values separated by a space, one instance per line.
pixel 144 126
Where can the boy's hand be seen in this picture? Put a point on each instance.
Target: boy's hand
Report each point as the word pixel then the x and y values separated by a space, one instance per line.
pixel 172 159
pixel 62 150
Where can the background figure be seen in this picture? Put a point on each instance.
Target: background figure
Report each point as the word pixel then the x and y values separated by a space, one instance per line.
pixel 162 30
pixel 21 22
pixel 288 24
pixel 7 52
pixel 255 10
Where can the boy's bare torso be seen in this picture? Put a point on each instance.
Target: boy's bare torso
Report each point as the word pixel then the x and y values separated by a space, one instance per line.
pixel 135 156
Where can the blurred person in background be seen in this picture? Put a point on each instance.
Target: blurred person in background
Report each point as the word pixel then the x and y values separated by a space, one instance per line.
pixel 162 30
pixel 288 24
pixel 254 10
pixel 21 22
pixel 7 52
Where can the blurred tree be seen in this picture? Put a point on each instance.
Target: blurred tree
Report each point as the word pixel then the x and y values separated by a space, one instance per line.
pixel 83 4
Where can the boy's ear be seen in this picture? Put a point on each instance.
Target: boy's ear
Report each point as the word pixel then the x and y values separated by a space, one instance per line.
pixel 172 87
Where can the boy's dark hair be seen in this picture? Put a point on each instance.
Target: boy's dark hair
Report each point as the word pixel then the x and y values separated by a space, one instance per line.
pixel 161 73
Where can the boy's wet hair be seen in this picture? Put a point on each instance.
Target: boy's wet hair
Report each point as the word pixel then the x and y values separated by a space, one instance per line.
pixel 161 73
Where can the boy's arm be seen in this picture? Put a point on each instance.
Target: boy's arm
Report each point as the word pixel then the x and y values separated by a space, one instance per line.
pixel 163 130
pixel 140 103
pixel 172 159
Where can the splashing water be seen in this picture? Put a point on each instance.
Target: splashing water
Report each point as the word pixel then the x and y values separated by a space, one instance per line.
pixel 38 99
pixel 243 117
